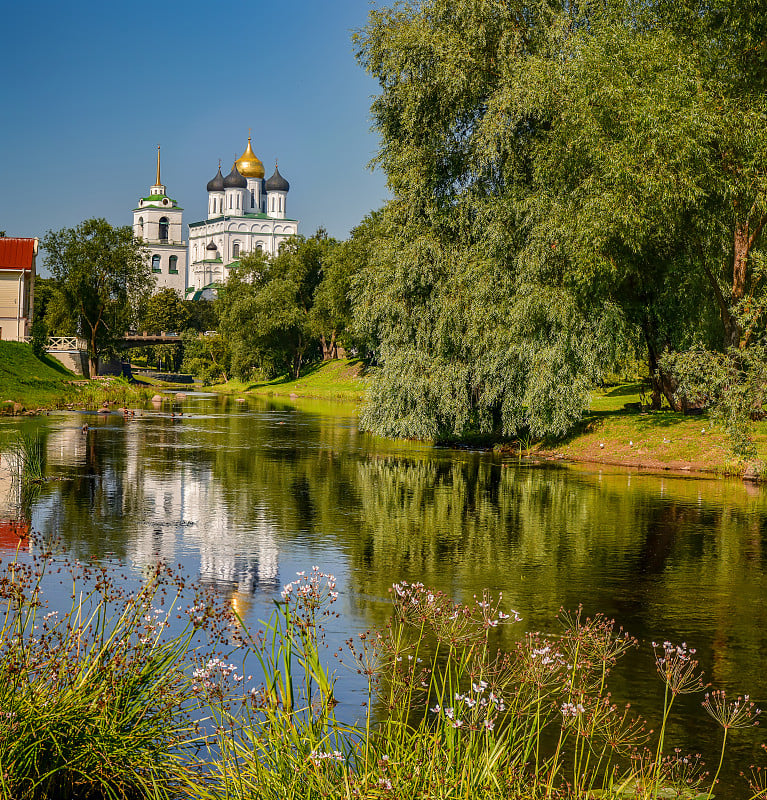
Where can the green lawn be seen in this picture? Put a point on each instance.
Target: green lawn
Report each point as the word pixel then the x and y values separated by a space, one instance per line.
pixel 34 382
pixel 665 439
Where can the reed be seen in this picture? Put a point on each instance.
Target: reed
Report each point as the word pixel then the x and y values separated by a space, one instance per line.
pixel 134 694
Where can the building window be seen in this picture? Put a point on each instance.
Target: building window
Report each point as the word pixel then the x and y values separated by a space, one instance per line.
pixel 259 247
pixel 236 250
pixel 141 226
pixel 163 234
pixel 173 265
pixel 252 199
pixel 155 263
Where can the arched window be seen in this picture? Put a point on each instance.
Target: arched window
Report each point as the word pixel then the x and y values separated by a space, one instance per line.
pixel 259 247
pixel 236 250
pixel 252 198
pixel 141 226
pixel 163 234
pixel 173 265
pixel 155 263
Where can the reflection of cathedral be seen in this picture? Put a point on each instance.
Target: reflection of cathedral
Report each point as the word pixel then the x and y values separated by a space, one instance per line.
pixel 187 511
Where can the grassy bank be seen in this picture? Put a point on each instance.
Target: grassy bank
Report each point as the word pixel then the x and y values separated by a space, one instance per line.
pixel 329 380
pixel 43 383
pixel 32 381
pixel 612 434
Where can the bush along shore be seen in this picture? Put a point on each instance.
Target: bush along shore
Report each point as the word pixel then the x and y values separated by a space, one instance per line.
pixel 144 693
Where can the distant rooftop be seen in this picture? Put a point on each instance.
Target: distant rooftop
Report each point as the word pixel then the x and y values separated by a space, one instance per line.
pixel 16 253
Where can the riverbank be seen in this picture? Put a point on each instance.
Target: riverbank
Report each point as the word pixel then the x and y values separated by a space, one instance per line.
pixel 32 384
pixel 342 379
pixel 30 381
pixel 655 440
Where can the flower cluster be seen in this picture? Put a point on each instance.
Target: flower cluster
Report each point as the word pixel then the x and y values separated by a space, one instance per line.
pixel 480 709
pixel 317 756
pixel 572 709
pixel 215 672
pixel 677 667
pixel 739 713
pixel 453 622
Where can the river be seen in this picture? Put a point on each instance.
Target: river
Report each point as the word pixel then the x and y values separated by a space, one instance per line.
pixel 244 494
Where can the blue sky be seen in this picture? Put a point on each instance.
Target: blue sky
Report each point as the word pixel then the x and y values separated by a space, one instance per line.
pixel 91 88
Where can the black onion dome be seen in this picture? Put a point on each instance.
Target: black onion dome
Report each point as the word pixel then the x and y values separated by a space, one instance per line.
pixel 217 184
pixel 234 180
pixel 211 246
pixel 277 183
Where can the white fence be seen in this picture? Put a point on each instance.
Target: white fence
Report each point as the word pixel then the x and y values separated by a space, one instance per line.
pixel 63 343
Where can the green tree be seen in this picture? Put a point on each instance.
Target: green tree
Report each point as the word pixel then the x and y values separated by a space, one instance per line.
pixel 265 309
pixel 599 169
pixel 104 275
pixel 165 312
pixel 332 311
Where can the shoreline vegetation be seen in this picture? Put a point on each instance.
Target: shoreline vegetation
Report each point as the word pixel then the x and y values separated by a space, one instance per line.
pixel 614 431
pixel 145 692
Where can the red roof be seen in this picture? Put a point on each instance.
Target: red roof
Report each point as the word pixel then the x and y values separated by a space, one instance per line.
pixel 16 253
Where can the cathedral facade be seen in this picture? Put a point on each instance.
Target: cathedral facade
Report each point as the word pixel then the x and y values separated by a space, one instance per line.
pixel 246 213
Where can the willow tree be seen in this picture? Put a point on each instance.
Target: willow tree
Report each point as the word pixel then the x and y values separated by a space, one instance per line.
pixel 468 338
pixel 576 171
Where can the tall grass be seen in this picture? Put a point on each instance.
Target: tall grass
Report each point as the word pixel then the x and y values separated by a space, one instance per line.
pixel 448 716
pixel 26 458
pixel 132 694
pixel 96 701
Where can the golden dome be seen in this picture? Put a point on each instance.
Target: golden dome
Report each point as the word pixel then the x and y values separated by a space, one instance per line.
pixel 249 165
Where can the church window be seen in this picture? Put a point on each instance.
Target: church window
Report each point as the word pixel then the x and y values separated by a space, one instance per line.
pixel 252 199
pixel 259 247
pixel 140 226
pixel 236 250
pixel 173 265
pixel 155 263
pixel 163 234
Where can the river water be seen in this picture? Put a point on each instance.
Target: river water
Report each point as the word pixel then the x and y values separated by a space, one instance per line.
pixel 243 495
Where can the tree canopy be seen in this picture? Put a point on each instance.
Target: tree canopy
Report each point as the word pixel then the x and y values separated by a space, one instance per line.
pixel 568 179
pixel 104 276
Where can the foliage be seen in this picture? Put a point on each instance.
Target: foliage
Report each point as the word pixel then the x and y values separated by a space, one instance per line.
pixel 97 700
pixel 164 312
pixel 207 357
pixel 606 158
pixel 104 276
pixel 265 310
pixel 732 384
pixel 39 337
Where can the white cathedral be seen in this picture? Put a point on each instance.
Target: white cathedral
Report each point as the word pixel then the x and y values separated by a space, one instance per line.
pixel 245 213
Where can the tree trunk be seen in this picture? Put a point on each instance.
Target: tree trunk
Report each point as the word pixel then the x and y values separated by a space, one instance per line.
pixel 93 356
pixel 733 332
pixel 329 349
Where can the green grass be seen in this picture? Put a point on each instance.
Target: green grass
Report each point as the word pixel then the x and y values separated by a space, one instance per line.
pixel 330 380
pixel 611 434
pixel 34 382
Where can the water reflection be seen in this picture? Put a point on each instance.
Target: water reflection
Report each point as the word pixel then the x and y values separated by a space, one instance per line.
pixel 242 496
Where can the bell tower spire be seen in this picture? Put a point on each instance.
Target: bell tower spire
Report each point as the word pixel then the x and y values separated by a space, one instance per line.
pixel 158 188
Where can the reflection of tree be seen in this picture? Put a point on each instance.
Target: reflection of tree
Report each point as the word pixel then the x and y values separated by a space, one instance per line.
pixel 247 486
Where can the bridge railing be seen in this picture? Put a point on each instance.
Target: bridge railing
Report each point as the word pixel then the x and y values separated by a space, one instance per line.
pixel 63 343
